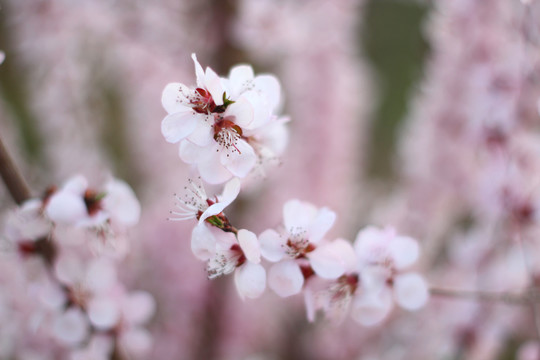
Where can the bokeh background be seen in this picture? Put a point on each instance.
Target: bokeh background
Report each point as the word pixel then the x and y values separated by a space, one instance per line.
pixel 404 113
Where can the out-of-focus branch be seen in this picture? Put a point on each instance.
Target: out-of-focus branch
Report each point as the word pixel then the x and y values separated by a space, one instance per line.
pixel 489 296
pixel 12 177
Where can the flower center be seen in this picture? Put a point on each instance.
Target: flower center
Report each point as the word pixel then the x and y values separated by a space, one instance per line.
pixel 224 262
pixel 227 134
pixel 201 101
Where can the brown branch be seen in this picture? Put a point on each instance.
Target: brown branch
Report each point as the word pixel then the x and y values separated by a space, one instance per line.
pixel 12 177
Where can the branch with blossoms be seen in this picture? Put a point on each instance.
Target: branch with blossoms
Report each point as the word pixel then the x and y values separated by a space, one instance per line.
pixel 80 235
pixel 227 128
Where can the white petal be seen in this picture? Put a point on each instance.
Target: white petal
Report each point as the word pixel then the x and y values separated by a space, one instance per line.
pixel 121 202
pixel 320 225
pixel 136 341
pixel 272 245
pixel 214 86
pixel 404 251
pixel 212 171
pixel 249 245
pixel 71 327
pixel 199 72
pixel 297 215
pixel 66 208
pixel 240 161
pixel 285 278
pixel 138 307
pixel 239 77
pixel 369 308
pixel 368 239
pixel 411 291
pixel 250 280
pixel 103 313
pixel 230 192
pixel 269 86
pixel 310 303
pixel 173 98
pixel 203 242
pixel 189 152
pixel 203 133
pixel 69 269
pixel 331 260
pixel 262 111
pixel 177 126
pixel 76 185
pixel 242 111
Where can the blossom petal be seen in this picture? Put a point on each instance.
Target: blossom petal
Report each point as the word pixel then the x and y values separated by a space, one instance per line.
pixel 100 275
pixel 411 291
pixel 404 250
pixel 249 245
pixel 174 96
pixel 203 242
pixel 67 208
pixel 202 135
pixel 242 111
pixel 104 313
pixel 240 161
pixel 371 307
pixel 320 225
pixel 331 260
pixel 239 76
pixel 71 327
pixel 270 87
pixel 190 153
pixel 285 278
pixel 272 245
pixel 138 307
pixel 212 171
pixel 298 215
pixel 136 341
pixel 230 192
pixel 122 203
pixel 250 280
pixel 177 126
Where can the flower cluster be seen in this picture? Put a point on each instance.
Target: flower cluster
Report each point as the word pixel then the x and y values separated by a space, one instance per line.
pixel 67 246
pixel 218 124
pixel 225 126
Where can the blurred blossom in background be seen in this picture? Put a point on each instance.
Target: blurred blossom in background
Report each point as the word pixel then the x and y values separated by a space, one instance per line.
pixel 418 115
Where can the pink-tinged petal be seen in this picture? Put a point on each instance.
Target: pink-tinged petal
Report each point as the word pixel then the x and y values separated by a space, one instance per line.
pixel 199 72
pixel 310 303
pixel 249 245
pixel 204 131
pixel 411 291
pixel 240 78
pixel 368 239
pixel 214 86
pixel 262 112
pixel 320 225
pixel 242 111
pixel 331 260
pixel 138 307
pixel 404 250
pixel 212 171
pixel 136 341
pixel 101 275
pixel 272 245
pixel 121 202
pixel 269 86
pixel 189 152
pixel 71 327
pixel 250 280
pixel 370 307
pixel 66 208
pixel 174 98
pixel 240 161
pixel 103 313
pixel 230 192
pixel 285 278
pixel 297 215
pixel 203 242
pixel 76 185
pixel 178 126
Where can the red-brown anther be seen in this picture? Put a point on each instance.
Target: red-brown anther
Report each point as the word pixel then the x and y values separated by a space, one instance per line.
pixel 47 195
pixel 205 104
pixel 92 200
pixel 242 258
pixel 524 212
pixel 226 124
pixel 26 248
pixel 307 271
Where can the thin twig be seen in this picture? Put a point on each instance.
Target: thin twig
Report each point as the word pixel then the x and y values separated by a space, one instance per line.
pixel 12 177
